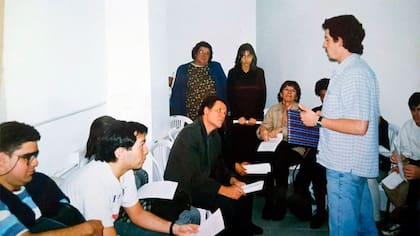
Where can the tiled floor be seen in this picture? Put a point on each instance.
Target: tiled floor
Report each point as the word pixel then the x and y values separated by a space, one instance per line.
pixel 289 226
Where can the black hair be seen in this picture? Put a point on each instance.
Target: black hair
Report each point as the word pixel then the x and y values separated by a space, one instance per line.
pixel 118 134
pixel 290 83
pixel 97 129
pixel 321 84
pixel 414 101
pixel 241 51
pixel 13 134
pixel 349 29
pixel 209 103
pixel 203 44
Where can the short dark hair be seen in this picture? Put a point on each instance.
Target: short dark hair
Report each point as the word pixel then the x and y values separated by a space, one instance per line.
pixel 97 129
pixel 414 101
pixel 293 84
pixel 349 29
pixel 321 84
pixel 203 44
pixel 209 103
pixel 241 51
pixel 118 134
pixel 13 134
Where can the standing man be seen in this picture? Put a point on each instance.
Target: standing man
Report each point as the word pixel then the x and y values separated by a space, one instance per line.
pixel 349 129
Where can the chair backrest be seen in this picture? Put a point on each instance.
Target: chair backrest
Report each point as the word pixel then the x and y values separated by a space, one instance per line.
pixel 173 133
pixel 159 155
pixel 177 121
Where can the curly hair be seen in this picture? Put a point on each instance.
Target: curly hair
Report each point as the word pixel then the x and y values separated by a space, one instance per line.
pixel 290 83
pixel 349 29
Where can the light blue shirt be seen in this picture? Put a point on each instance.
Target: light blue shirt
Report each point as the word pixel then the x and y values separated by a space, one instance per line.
pixel 353 93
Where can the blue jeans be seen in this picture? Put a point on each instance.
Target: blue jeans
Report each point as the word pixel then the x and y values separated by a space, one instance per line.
pixel 350 205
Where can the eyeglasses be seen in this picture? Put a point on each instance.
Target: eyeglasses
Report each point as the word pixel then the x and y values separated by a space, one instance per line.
pixel 29 157
pixel 202 52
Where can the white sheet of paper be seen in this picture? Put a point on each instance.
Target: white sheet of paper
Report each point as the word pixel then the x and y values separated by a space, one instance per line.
pixel 213 225
pixel 260 168
pixel 159 189
pixel 271 144
pixel 401 166
pixel 256 186
pixel 392 180
pixel 258 122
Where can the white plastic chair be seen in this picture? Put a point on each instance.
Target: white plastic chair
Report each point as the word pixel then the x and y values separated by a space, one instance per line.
pixel 173 133
pixel 159 153
pixel 178 121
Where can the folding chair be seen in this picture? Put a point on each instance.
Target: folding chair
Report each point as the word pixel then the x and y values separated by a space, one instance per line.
pixel 177 121
pixel 159 156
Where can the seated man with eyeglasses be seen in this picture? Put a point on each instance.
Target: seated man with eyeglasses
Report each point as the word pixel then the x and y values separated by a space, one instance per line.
pixel 31 202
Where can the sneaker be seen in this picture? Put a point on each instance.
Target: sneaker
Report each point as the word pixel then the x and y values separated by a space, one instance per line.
pixel 391 230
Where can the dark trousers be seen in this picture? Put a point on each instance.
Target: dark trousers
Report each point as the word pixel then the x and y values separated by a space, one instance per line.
pixel 276 182
pixel 311 171
pixel 234 212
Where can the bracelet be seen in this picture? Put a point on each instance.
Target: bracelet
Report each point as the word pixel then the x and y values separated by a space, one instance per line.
pixel 171 232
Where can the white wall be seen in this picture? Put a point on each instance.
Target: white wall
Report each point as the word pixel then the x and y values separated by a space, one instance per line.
pixel 223 24
pixel 176 26
pixel 54 72
pixel 290 37
pixel 54 58
pixel 85 59
pixel 123 51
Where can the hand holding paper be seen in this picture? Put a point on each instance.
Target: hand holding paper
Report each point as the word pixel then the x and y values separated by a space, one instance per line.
pixel 271 144
pixel 212 225
pixel 256 186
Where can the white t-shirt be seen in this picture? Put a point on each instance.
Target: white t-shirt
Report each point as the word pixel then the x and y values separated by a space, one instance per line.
pixel 98 194
pixel 408 140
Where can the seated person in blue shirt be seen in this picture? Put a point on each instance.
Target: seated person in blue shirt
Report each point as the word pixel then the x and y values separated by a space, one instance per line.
pixel 29 198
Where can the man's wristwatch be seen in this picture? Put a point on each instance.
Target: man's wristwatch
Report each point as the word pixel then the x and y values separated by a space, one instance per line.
pixel 319 123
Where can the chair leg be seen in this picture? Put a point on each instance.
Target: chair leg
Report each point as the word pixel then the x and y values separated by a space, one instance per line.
pixel 386 217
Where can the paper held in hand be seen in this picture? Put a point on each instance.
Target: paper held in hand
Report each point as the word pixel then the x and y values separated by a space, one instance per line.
pixel 258 122
pixel 260 168
pixel 212 225
pixel 159 189
pixel 271 144
pixel 256 186
pixel 392 180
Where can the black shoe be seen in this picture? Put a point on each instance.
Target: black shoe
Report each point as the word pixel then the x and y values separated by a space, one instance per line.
pixel 279 214
pixel 317 220
pixel 256 229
